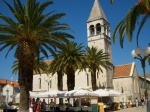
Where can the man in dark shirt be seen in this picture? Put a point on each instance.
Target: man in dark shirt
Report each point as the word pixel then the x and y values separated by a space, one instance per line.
pixel 142 102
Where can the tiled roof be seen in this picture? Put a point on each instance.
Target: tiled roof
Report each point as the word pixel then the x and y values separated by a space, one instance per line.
pixel 122 70
pixel 4 82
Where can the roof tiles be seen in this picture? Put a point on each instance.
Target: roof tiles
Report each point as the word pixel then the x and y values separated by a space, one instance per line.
pixel 122 70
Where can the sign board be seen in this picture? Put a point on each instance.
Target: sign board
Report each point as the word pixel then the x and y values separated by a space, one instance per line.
pixel 94 108
pixel 94 100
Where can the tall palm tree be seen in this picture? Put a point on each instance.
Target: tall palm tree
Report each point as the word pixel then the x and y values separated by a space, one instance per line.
pixel 39 66
pixel 31 32
pixel 96 60
pixel 59 72
pixel 69 59
pixel 128 24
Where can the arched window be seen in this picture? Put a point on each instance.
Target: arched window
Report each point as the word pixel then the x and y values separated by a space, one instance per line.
pixel 98 29
pixel 39 83
pixel 105 31
pixel 91 30
pixel 50 86
pixel 87 79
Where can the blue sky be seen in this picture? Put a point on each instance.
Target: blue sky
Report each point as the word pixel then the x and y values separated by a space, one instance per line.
pixel 77 13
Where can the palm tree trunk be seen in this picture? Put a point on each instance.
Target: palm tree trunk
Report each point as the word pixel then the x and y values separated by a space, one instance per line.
pixel 25 86
pixel 26 63
pixel 60 80
pixel 93 81
pixel 70 79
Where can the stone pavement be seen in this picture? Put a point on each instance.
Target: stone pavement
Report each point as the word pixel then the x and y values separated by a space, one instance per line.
pixel 133 109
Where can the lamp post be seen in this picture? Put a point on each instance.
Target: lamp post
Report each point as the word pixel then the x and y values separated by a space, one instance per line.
pixel 7 95
pixel 142 55
pixel 48 81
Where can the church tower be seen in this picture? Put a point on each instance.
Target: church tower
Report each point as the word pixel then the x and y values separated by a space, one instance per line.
pixel 98 35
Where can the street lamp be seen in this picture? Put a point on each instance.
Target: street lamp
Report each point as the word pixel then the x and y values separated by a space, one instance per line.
pixel 48 81
pixel 7 95
pixel 142 55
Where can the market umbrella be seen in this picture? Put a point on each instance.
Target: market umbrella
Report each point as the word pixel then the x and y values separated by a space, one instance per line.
pixel 102 92
pixel 51 93
pixel 114 93
pixel 80 92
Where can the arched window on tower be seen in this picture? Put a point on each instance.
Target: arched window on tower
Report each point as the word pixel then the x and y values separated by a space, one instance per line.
pixel 107 30
pixel 39 83
pixel 98 28
pixel 91 30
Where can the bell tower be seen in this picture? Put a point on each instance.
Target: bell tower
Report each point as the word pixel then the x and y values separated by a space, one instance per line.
pixel 98 35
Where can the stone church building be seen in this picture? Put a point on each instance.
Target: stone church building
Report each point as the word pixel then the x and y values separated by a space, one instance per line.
pixel 98 35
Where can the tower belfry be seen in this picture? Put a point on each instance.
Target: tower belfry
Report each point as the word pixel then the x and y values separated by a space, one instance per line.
pixel 98 35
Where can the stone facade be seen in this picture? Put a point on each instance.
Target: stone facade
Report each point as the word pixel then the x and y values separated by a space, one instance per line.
pixel 127 84
pixel 100 38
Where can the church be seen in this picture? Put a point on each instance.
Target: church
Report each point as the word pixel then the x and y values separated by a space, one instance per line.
pixel 98 35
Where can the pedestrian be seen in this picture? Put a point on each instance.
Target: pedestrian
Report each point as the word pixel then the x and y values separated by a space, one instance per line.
pixel 38 108
pixel 142 102
pixel 52 104
pixel 136 102
pixel 31 106
pixel 43 106
pixel 36 103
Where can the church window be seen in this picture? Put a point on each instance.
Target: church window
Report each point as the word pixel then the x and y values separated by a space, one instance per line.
pixel 91 30
pixel 107 30
pixel 87 79
pixel 39 83
pixel 50 82
pixel 98 29
pixel 97 75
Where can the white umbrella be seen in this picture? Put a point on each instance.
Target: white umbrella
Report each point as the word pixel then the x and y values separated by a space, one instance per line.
pixel 114 93
pixel 50 94
pixel 102 92
pixel 32 94
pixel 80 92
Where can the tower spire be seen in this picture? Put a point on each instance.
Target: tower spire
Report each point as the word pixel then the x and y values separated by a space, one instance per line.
pixel 96 12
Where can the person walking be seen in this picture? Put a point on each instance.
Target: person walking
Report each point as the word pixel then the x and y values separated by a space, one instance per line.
pixel 38 108
pixel 52 104
pixel 43 106
pixel 142 102
pixel 136 102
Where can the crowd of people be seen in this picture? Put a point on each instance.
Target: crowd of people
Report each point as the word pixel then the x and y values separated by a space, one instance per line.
pixel 38 106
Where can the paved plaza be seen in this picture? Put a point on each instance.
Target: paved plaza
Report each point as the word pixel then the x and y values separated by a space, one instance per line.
pixel 133 109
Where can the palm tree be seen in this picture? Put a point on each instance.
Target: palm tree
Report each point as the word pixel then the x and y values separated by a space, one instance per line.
pixel 69 59
pixel 39 66
pixel 96 60
pixel 31 33
pixel 128 24
pixel 59 72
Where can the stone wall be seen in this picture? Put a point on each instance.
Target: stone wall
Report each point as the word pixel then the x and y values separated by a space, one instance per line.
pixel 2 99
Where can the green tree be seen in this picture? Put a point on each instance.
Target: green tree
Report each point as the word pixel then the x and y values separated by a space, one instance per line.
pixel 53 70
pixel 39 66
pixel 96 60
pixel 137 15
pixel 31 33
pixel 70 58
